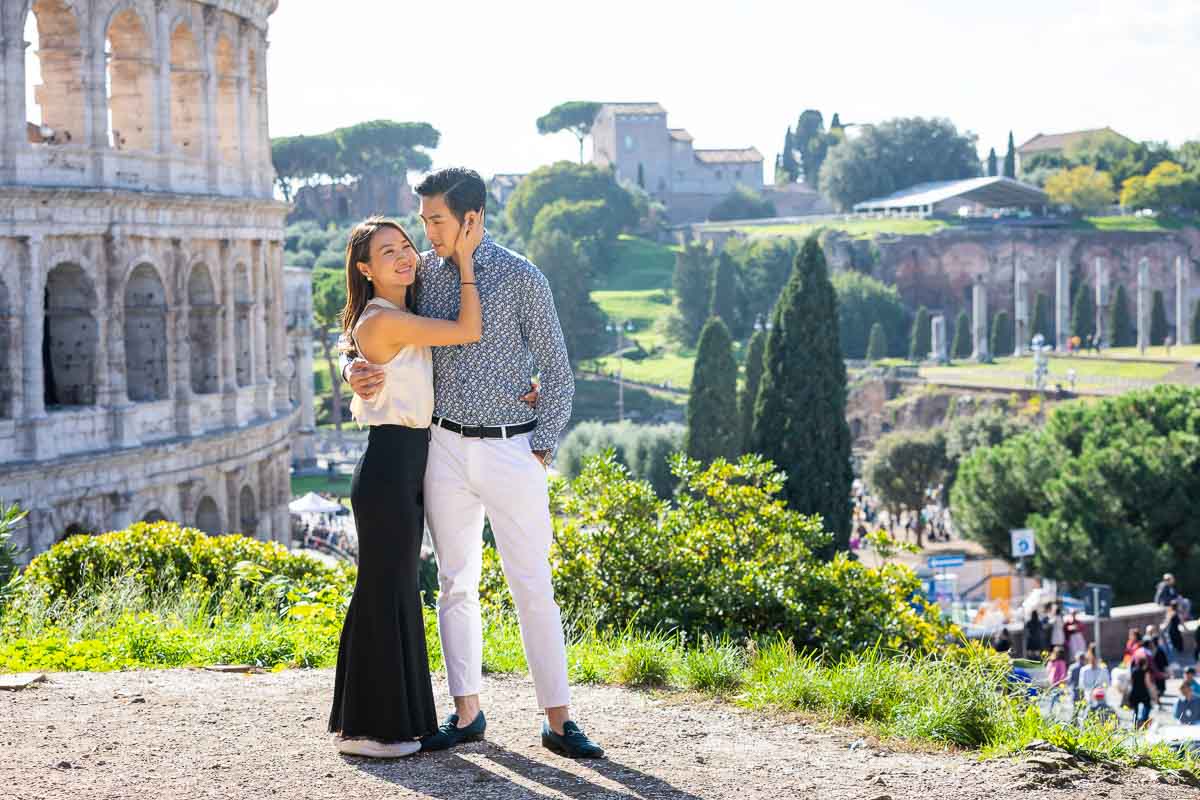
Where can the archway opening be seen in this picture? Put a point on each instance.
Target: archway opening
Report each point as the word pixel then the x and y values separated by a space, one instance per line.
pixel 71 339
pixel 208 516
pixel 130 83
pixel 248 514
pixel 154 516
pixel 244 328
pixel 187 93
pixel 54 97
pixel 228 129
pixel 145 335
pixel 203 331
pixel 74 529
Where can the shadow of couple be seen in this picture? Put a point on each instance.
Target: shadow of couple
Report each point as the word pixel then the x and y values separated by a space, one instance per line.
pixel 448 775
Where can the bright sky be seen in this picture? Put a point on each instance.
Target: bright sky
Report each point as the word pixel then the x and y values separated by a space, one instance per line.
pixel 733 73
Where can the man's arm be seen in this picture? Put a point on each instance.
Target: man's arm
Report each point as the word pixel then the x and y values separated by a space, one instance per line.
pixel 544 337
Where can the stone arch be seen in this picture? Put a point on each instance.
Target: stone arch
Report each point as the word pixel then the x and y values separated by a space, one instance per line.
pixel 203 331
pixel 72 337
pixel 55 98
pixel 208 516
pixel 187 92
pixel 130 82
pixel 228 127
pixel 154 515
pixel 247 511
pixel 145 335
pixel 243 296
pixel 7 379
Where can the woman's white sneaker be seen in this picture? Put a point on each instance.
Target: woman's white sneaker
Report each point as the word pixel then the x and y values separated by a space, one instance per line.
pixel 369 748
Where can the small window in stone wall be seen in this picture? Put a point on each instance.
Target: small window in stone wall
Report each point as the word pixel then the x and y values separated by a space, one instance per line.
pixel 145 335
pixel 208 517
pixel 203 331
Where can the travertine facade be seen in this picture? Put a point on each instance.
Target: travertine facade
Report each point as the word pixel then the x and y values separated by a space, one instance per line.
pixel 147 355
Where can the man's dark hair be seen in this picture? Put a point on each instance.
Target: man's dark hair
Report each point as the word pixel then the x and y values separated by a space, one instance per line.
pixel 463 189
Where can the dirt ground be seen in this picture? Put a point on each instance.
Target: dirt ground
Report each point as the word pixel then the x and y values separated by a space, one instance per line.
pixel 197 734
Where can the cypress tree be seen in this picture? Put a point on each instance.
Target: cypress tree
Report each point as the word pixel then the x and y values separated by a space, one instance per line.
pixel 1010 159
pixel 835 123
pixel 1120 327
pixel 1001 341
pixel 1083 312
pixel 641 178
pixel 1041 318
pixel 723 299
pixel 800 412
pixel 692 281
pixel 992 168
pixel 1196 324
pixel 1158 319
pixel 787 160
pixel 714 430
pixel 920 339
pixel 962 336
pixel 754 371
pixel 877 343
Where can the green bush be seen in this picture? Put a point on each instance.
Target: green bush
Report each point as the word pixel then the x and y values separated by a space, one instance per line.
pixel 644 449
pixel 741 203
pixel 10 517
pixel 726 556
pixel 863 302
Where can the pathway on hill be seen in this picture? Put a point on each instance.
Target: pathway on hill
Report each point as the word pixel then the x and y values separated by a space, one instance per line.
pixel 194 734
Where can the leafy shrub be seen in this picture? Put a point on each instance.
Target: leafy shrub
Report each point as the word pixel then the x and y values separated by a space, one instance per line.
pixel 726 556
pixel 10 517
pixel 864 302
pixel 742 203
pixel 644 449
pixel 715 666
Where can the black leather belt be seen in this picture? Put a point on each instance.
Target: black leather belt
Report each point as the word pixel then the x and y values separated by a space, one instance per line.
pixel 485 431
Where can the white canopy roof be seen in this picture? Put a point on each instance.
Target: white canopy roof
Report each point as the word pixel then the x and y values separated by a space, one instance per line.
pixel 313 503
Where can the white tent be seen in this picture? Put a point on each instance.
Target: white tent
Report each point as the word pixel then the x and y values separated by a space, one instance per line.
pixel 313 503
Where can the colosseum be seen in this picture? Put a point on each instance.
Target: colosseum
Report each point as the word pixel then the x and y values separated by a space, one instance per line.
pixel 149 363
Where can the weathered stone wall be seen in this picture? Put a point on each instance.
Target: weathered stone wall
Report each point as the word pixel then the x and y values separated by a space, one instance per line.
pixel 372 194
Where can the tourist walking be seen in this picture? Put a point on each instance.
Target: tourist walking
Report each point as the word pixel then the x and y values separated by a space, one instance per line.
pixel 382 696
pixel 1076 640
pixel 1058 635
pixel 1033 635
pixel 1174 630
pixel 1143 694
pixel 1094 674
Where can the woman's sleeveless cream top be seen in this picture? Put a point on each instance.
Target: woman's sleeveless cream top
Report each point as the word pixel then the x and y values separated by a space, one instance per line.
pixel 406 397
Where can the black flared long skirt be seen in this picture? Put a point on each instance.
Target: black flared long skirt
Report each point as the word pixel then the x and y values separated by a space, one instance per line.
pixel 382 688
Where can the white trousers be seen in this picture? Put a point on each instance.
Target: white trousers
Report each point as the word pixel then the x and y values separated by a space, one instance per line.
pixel 465 479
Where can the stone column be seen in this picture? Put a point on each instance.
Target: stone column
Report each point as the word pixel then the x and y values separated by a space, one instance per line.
pixel 1143 306
pixel 261 376
pixel 941 352
pixel 123 428
pixel 121 510
pixel 212 150
pixel 243 111
pixel 1021 310
pixel 162 93
pixel 1062 305
pixel 12 123
pixel 283 403
pixel 181 352
pixel 38 443
pixel 1183 328
pixel 1102 334
pixel 979 322
pixel 187 503
pixel 229 387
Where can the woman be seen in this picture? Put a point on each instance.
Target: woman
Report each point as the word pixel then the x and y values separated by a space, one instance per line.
pixel 1174 628
pixel 382 696
pixel 1033 635
pixel 1132 645
pixel 1058 636
pixel 1076 639
pixel 1142 692
pixel 1094 674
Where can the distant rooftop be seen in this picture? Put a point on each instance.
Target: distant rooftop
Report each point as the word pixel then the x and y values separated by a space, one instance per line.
pixel 993 192
pixel 635 108
pixel 1061 141
pixel 680 135
pixel 746 155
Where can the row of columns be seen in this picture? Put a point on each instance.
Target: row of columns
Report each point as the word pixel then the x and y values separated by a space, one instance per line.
pixel 1062 310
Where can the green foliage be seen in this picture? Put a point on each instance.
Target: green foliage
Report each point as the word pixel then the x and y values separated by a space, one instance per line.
pixel 725 556
pixel 962 345
pixel 567 267
pixel 716 667
pixel 695 267
pixel 1106 487
pixel 1121 330
pixel 813 143
pixel 1042 321
pixel 863 301
pixel 1166 188
pixel 644 450
pixel 741 203
pixel 10 519
pixel 1196 324
pixel 903 466
pixel 713 424
pixel 963 435
pixel 722 303
pixel 574 183
pixel 1001 342
pixel 894 155
pixel 579 219
pixel 992 169
pixel 1010 158
pixel 1083 311
pixel 800 412
pixel 1083 188
pixel 789 168
pixel 1158 319
pixel 920 337
pixel 755 353
pixel 575 116
pixel 877 344
pixel 764 265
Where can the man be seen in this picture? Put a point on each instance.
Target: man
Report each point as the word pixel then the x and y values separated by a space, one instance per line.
pixel 1187 707
pixel 1165 592
pixel 488 456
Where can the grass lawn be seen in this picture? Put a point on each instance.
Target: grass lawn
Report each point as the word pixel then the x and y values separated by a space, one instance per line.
pixel 1131 223
pixel 640 264
pixel 338 485
pixel 596 399
pixel 858 228
pixel 1189 352
pixel 675 368
pixel 1090 373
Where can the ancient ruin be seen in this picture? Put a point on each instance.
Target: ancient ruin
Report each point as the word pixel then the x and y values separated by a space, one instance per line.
pixel 148 359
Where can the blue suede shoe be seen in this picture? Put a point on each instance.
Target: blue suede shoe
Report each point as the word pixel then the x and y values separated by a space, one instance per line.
pixel 449 734
pixel 574 743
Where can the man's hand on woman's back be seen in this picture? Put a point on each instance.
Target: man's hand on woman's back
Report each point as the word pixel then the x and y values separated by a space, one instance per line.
pixel 366 379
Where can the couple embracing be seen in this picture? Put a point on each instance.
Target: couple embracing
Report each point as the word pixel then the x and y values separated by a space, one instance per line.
pixel 440 350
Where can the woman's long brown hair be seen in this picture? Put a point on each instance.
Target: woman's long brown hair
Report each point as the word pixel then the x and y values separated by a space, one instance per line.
pixel 359 290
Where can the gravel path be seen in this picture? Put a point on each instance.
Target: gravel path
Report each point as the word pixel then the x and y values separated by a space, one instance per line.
pixel 194 734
